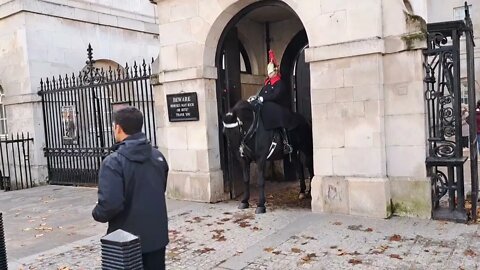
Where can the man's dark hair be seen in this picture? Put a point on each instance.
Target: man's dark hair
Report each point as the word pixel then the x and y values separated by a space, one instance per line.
pixel 478 104
pixel 130 119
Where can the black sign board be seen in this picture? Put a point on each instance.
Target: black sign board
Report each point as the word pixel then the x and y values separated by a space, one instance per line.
pixel 182 107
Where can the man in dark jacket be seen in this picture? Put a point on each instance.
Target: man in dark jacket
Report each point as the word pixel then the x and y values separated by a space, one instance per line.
pixel 131 190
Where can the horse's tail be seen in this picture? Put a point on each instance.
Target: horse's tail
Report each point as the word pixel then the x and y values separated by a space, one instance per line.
pixel 305 144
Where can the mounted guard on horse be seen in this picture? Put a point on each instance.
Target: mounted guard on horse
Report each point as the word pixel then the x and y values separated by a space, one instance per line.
pixel 274 104
pixel 255 128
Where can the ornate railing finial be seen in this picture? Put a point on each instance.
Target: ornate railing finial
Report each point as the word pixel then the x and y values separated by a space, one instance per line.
pixel 90 61
pixel 468 22
pixel 467 11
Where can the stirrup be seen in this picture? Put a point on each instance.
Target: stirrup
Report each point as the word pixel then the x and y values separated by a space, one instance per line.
pixel 287 148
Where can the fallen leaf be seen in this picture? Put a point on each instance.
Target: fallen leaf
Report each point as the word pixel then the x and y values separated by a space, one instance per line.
pixel 395 237
pixel 470 252
pixel 256 229
pixel 268 249
pixel 309 237
pixel 395 256
pixel 244 224
pixel 343 253
pixel 219 238
pixel 47 229
pixel 337 223
pixel 355 261
pixel 276 252
pixel 174 232
pixel 309 257
pixel 227 213
pixel 225 219
pixel 197 219
pixel 355 227
pixel 296 250
pixel 204 250
pixel 220 223
pixel 369 230
pixel 243 217
pixel 333 247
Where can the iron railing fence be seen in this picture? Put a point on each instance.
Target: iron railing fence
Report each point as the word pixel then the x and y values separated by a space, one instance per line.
pixel 15 166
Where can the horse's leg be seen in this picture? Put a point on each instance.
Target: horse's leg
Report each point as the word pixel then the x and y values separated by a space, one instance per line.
pixel 301 176
pixel 261 209
pixel 246 181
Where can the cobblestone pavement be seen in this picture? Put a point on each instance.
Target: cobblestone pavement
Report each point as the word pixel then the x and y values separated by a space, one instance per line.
pixel 218 236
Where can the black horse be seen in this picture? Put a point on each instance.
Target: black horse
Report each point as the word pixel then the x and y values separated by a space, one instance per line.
pixel 251 142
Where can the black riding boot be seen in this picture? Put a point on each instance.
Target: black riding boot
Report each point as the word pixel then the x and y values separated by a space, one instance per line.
pixel 287 148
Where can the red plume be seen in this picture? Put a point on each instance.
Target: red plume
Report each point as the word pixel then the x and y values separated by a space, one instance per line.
pixel 272 58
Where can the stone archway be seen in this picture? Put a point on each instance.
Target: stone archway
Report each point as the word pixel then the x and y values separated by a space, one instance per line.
pixel 268 25
pixel 365 78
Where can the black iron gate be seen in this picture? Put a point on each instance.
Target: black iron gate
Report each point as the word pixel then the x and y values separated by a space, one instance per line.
pixel 443 96
pixel 77 113
pixel 15 169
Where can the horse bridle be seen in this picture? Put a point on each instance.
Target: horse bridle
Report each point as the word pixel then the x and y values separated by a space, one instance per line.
pixel 246 136
pixel 238 124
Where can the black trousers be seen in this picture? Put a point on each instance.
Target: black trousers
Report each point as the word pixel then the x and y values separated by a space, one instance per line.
pixel 154 260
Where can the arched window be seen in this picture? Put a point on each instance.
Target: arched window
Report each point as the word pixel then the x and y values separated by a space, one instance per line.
pixel 245 65
pixel 3 115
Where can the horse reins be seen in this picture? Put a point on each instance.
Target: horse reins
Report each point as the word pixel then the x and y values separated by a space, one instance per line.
pixel 247 136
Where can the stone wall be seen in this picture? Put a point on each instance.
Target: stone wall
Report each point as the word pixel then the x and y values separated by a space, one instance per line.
pixel 49 38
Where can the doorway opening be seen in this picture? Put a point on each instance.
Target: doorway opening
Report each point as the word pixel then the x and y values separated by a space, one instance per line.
pixel 241 61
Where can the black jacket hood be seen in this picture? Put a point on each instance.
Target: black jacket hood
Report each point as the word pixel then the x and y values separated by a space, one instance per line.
pixel 135 147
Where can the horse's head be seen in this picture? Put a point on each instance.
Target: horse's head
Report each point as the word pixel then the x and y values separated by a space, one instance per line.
pixel 237 122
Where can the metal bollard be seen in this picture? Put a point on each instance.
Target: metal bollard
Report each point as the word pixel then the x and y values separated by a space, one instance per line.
pixel 3 250
pixel 120 251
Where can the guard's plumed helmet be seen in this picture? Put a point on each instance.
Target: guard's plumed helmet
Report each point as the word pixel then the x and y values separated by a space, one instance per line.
pixel 272 65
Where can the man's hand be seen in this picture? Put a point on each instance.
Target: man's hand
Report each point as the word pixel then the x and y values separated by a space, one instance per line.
pixel 251 99
pixel 260 99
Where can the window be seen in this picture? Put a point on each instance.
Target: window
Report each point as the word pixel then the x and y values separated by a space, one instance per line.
pixel 459 13
pixel 245 66
pixel 3 115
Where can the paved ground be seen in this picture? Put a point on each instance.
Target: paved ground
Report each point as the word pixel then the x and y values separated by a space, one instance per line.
pixel 218 236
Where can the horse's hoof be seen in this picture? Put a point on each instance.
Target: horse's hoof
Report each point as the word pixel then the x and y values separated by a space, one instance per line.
pixel 243 206
pixel 261 210
pixel 301 196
